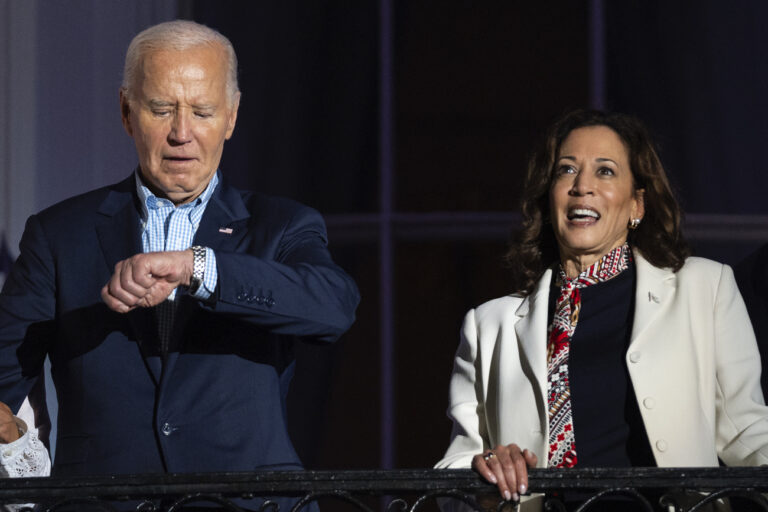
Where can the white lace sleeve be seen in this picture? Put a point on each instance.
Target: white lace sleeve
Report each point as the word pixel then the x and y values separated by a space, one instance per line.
pixel 28 455
pixel 25 457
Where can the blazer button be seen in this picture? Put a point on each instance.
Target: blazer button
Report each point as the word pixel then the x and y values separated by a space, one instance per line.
pixel 634 357
pixel 166 430
pixel 661 445
pixel 649 403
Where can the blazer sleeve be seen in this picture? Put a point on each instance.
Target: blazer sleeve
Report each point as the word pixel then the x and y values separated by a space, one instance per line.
pixel 741 416
pixel 298 291
pixel 27 311
pixel 466 409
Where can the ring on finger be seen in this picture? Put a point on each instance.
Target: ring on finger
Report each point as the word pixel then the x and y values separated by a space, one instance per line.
pixel 488 456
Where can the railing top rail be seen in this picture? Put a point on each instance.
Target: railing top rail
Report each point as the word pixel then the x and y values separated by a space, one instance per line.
pixel 376 482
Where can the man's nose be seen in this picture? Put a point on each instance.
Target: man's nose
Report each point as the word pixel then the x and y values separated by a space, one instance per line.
pixel 180 128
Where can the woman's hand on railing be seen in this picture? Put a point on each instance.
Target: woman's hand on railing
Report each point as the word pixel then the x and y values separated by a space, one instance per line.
pixel 507 467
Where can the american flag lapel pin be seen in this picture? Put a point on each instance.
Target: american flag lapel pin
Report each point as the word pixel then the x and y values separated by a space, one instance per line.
pixel 226 231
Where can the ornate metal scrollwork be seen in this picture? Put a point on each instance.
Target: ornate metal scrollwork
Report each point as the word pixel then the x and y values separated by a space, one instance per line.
pixel 746 494
pixel 225 504
pixel 313 497
pixel 92 504
pixel 681 489
pixel 619 491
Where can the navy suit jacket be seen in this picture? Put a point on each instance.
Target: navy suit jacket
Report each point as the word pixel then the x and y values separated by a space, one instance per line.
pixel 218 401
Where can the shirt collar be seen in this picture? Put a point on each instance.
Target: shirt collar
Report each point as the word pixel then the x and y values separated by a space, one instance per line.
pixel 149 200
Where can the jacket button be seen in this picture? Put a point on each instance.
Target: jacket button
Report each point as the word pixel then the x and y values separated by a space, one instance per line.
pixel 661 445
pixel 649 403
pixel 166 430
pixel 634 357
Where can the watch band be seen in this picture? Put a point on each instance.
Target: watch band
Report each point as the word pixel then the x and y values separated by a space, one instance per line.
pixel 198 268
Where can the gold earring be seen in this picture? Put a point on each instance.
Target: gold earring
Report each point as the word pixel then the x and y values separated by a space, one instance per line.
pixel 633 223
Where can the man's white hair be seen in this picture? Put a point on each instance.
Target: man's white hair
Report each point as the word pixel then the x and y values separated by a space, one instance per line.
pixel 177 35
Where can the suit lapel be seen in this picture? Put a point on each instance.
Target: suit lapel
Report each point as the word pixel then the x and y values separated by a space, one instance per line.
pixel 655 287
pixel 222 228
pixel 120 238
pixel 224 223
pixel 118 227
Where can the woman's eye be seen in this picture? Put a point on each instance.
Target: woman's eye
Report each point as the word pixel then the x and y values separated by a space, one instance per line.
pixel 566 169
pixel 606 171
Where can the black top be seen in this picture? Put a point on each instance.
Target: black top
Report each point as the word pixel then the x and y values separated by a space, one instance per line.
pixel 606 419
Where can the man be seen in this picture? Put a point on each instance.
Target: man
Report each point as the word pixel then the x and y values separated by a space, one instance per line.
pixel 168 303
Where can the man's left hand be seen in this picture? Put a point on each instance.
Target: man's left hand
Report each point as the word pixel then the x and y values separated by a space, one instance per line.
pixel 147 279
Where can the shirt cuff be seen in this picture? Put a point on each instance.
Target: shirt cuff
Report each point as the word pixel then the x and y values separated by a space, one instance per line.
pixel 25 457
pixel 210 277
pixel 10 450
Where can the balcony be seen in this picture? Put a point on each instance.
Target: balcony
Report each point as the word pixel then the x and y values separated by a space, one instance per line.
pixel 646 489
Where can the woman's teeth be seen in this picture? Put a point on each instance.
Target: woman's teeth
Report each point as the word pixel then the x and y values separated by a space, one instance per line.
pixel 578 213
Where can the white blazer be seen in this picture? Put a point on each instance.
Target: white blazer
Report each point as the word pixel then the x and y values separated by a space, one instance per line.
pixel 692 360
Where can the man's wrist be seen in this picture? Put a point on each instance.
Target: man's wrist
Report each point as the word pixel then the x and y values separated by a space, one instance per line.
pixel 198 268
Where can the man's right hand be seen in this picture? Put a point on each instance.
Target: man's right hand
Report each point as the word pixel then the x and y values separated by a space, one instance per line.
pixel 9 431
pixel 507 467
pixel 147 279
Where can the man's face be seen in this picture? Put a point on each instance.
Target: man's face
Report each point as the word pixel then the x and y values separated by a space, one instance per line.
pixel 179 116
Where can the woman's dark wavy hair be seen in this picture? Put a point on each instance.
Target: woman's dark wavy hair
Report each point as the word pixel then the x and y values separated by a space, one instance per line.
pixel 658 238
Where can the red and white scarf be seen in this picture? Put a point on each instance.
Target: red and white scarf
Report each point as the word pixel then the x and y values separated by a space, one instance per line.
pixel 562 440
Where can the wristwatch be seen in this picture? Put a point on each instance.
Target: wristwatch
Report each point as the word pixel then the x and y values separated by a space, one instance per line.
pixel 198 268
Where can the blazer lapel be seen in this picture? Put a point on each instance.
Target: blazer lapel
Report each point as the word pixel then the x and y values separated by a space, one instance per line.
pixel 118 227
pixel 120 238
pixel 531 331
pixel 222 228
pixel 655 287
pixel 224 223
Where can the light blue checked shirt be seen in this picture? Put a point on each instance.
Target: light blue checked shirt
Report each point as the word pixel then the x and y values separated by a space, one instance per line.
pixel 166 227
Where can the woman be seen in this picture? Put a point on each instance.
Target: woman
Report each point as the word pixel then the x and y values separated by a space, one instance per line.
pixel 618 349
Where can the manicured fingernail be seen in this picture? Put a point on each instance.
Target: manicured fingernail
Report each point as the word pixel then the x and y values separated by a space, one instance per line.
pixel 507 496
pixel 522 488
pixel 492 479
pixel 516 497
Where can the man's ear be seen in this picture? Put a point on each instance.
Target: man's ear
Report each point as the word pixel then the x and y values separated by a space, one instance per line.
pixel 233 116
pixel 125 111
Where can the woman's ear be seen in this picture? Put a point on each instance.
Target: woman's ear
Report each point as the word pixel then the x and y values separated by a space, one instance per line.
pixel 638 208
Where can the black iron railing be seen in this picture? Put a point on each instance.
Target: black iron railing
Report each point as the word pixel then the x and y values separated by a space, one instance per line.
pixel 646 489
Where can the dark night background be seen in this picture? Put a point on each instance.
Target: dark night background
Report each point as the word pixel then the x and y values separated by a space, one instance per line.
pixel 408 125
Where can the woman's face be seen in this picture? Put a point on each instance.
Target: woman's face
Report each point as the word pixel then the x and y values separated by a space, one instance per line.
pixel 592 197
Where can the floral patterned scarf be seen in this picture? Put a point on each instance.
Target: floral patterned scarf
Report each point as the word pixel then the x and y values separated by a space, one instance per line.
pixel 562 440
